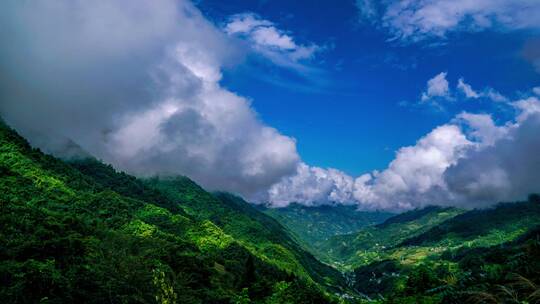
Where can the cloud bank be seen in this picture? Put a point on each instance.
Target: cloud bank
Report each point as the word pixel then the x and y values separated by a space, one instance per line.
pixel 469 162
pixel 136 83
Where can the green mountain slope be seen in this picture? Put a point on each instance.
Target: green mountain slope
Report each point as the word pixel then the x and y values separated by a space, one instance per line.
pixel 85 233
pixel 448 256
pixel 482 227
pixel 505 273
pixel 372 243
pixel 314 225
pixel 264 236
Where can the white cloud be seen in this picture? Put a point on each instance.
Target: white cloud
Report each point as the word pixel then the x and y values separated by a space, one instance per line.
pixel 269 41
pixel 415 20
pixel 469 162
pixel 145 95
pixel 505 171
pixel 488 93
pixel 140 93
pixel 526 107
pixel 414 177
pixel 536 90
pixel 245 23
pixel 437 87
pixel 467 89
pixel 481 128
pixel 438 91
pixel 312 186
pixel 270 37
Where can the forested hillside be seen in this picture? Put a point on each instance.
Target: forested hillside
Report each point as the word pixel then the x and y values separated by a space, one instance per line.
pixel 372 243
pixel 446 255
pixel 80 231
pixel 434 254
pixel 83 232
pixel 261 234
pixel 314 225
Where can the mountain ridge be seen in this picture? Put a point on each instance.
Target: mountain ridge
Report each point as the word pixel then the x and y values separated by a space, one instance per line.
pixel 76 235
pixel 82 231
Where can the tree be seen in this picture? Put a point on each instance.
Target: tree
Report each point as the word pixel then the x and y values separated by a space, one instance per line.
pixel 534 198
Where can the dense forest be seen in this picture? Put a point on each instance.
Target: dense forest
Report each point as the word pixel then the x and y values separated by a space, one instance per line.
pixel 315 224
pixel 444 255
pixel 80 231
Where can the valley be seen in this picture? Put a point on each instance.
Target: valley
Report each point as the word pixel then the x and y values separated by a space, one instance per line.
pixel 79 230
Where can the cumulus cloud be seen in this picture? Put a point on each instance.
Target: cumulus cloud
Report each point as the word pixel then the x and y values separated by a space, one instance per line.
pixel 436 90
pixel 144 94
pixel 269 41
pixel 136 83
pixel 506 170
pixel 312 186
pixel 481 128
pixel 469 162
pixel 412 21
pixel 414 177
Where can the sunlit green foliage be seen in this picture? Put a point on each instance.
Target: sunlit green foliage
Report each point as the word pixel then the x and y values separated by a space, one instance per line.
pixel 261 234
pixel 374 243
pixel 82 232
pixel 456 260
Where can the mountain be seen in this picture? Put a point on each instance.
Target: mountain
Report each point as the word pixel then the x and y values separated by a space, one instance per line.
pixel 445 255
pixel 314 225
pixel 482 227
pixel 80 231
pixel 260 233
pixel 83 232
pixel 507 272
pixel 367 245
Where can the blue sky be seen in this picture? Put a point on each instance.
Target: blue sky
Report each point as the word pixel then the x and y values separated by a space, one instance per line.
pixel 350 113
pixel 391 104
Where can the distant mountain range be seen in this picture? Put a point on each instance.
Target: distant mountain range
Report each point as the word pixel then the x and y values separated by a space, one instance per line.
pixel 434 254
pixel 314 225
